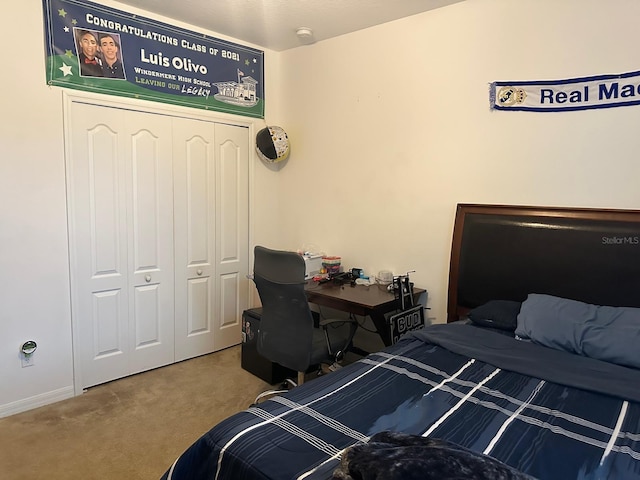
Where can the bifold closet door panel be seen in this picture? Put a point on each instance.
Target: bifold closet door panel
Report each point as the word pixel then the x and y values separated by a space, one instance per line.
pixel 121 241
pixel 98 243
pixel 232 232
pixel 195 213
pixel 211 190
pixel 150 232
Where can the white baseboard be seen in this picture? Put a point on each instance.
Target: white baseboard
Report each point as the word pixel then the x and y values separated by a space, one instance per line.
pixel 36 401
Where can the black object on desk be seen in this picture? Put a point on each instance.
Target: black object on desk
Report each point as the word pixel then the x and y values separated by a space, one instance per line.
pixel 411 316
pixel 403 289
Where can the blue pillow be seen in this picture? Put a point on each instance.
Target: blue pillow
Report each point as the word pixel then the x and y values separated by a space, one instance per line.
pixel 501 314
pixel 606 333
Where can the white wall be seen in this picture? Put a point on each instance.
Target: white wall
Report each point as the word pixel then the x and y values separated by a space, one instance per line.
pixel 34 260
pixel 34 277
pixel 392 128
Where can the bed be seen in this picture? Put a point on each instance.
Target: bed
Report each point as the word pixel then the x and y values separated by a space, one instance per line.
pixel 535 374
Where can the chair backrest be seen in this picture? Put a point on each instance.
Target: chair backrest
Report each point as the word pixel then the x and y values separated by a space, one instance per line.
pixel 286 326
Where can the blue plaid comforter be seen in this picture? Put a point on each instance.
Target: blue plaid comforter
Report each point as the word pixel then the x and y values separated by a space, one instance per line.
pixel 546 413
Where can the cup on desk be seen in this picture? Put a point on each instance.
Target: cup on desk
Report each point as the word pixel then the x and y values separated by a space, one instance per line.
pixel 384 278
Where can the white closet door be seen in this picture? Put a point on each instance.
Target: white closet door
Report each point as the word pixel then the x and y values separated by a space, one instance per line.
pixel 195 207
pixel 98 243
pixel 232 232
pixel 150 228
pixel 211 210
pixel 121 241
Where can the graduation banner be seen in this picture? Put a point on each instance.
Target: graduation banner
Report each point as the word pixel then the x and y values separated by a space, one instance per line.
pixel 601 91
pixel 100 49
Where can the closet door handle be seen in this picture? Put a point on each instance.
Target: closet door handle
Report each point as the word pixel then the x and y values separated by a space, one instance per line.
pixel 147 278
pixel 199 272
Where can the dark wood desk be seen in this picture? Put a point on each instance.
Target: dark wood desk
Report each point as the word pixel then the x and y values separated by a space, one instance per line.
pixel 373 301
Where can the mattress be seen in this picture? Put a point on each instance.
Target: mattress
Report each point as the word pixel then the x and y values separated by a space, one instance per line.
pixel 546 413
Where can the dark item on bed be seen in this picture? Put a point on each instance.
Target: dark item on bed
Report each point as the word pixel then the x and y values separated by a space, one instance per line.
pixel 398 456
pixel 506 252
pixel 500 314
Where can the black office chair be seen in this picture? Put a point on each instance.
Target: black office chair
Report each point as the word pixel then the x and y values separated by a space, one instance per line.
pixel 287 334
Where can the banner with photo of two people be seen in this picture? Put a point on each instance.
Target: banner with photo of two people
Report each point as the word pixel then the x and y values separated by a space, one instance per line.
pixel 95 48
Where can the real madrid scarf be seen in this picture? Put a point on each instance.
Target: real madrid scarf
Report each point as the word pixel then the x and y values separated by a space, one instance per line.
pixel 601 91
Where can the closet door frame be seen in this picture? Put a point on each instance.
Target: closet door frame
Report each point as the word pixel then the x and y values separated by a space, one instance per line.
pixel 143 106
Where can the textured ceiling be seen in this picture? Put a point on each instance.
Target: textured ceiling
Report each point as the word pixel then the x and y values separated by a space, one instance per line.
pixel 272 24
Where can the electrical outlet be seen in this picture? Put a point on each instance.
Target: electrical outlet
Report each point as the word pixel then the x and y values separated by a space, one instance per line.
pixel 27 360
pixel 26 351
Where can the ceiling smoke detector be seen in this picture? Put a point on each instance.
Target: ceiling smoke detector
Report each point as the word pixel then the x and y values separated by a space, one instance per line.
pixel 305 35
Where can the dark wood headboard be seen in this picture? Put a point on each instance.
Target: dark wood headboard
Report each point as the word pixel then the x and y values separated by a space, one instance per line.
pixel 502 252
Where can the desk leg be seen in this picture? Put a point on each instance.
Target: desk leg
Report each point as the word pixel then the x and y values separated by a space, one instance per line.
pixel 380 321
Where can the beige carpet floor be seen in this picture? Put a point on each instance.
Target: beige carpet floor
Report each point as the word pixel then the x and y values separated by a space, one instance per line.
pixel 129 429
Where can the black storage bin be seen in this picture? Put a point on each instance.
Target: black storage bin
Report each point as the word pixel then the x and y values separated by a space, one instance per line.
pixel 251 360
